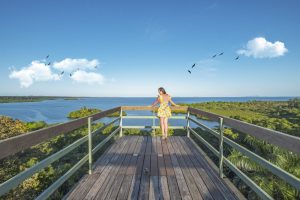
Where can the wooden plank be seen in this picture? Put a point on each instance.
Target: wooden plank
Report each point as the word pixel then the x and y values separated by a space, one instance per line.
pixel 189 165
pixel 163 188
pixel 212 180
pixel 160 158
pixel 171 178
pixel 108 183
pixel 154 179
pixel 81 189
pixel 190 182
pixel 126 183
pixel 136 179
pixel 214 170
pixel 114 189
pixel 97 185
pixel 183 188
pixel 163 180
pixel 18 143
pixel 283 140
pixel 145 179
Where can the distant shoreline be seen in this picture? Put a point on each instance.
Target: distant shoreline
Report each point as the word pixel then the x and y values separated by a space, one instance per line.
pixel 20 99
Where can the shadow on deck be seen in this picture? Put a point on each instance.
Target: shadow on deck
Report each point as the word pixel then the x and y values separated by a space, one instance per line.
pixel 144 167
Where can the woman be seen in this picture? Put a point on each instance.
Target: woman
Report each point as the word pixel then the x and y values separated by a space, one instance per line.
pixel 164 110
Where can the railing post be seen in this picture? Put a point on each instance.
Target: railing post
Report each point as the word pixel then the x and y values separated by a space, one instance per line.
pixel 121 122
pixel 221 147
pixel 90 119
pixel 188 123
pixel 153 122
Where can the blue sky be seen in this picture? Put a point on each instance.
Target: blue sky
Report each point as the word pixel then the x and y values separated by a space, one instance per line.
pixel 139 46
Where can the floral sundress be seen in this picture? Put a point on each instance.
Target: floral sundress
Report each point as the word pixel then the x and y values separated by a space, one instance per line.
pixel 164 109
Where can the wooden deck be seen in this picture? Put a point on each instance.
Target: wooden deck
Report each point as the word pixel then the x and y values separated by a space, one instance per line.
pixel 144 167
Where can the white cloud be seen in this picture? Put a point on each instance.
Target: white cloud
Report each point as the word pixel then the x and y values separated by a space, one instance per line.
pixel 261 48
pixel 87 77
pixel 36 71
pixel 70 64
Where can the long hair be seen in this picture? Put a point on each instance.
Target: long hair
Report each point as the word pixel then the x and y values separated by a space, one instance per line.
pixel 162 90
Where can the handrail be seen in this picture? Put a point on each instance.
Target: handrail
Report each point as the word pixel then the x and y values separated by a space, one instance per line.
pixel 173 108
pixel 153 117
pixel 16 180
pixel 288 142
pixel 286 176
pixel 18 143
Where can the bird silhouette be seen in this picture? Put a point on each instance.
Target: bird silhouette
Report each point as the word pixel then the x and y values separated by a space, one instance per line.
pixel 189 71
pixel 221 53
pixel 237 57
pixel 71 74
pixel 193 65
pixel 62 72
pixel 214 56
pixel 49 63
pixel 47 56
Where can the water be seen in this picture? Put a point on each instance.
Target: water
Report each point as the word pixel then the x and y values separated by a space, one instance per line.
pixel 56 111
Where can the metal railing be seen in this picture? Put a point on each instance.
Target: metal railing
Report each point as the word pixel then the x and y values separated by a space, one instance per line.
pixel 288 142
pixel 16 144
pixel 37 137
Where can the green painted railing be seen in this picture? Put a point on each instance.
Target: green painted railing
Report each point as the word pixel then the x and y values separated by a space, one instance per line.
pixel 288 142
pixel 19 178
pixel 16 144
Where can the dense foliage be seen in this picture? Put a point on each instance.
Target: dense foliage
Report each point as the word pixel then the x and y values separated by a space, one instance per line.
pixel 83 112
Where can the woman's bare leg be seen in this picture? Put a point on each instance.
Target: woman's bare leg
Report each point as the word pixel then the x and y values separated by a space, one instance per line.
pixel 162 126
pixel 166 126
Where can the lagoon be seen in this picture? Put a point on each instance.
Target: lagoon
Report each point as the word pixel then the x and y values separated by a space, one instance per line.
pixel 56 111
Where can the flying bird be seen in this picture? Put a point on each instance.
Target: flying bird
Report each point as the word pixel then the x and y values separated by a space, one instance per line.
pixel 71 74
pixel 221 53
pixel 214 56
pixel 62 72
pixel 47 56
pixel 237 57
pixel 49 63
pixel 193 65
pixel 189 71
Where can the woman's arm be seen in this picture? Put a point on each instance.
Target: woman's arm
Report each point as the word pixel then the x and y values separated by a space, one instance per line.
pixel 155 102
pixel 172 102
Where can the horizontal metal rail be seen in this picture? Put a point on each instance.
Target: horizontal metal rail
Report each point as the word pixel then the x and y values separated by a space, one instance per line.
pixel 260 192
pixel 62 179
pixel 151 117
pixel 153 127
pixel 216 152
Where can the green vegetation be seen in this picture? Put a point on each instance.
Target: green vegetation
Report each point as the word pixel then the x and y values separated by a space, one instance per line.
pixel 14 99
pixel 71 98
pixel 83 112
pixel 280 116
